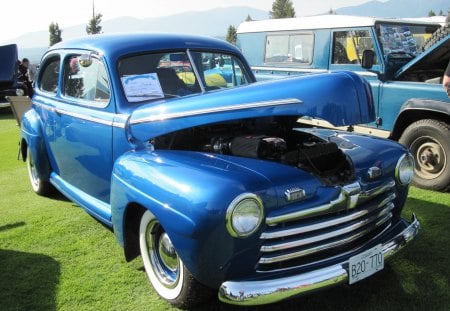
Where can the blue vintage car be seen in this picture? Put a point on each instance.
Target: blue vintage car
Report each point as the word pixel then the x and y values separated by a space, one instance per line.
pixel 217 186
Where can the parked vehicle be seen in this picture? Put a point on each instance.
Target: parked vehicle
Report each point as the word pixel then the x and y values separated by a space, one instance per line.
pixel 218 188
pixel 410 104
pixel 9 84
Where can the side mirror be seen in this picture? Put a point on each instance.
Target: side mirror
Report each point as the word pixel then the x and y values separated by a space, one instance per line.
pixel 367 59
pixel 85 60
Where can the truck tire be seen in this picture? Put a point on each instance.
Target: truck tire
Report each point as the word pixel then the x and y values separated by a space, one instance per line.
pixel 436 36
pixel 429 141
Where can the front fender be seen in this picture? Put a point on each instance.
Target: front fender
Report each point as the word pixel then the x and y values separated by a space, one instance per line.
pixel 419 108
pixel 31 134
pixel 189 193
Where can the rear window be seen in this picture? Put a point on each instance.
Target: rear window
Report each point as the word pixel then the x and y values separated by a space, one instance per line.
pixel 50 75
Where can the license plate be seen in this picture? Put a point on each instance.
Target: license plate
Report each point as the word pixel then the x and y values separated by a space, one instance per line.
pixel 365 264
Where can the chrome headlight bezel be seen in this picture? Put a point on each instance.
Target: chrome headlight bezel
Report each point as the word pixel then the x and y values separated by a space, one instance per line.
pixel 244 205
pixel 404 170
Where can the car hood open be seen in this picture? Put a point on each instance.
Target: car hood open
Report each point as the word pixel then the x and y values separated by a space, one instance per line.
pixel 436 57
pixel 8 64
pixel 341 98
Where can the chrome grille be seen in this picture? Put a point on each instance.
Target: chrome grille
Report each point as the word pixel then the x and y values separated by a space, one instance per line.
pixel 305 236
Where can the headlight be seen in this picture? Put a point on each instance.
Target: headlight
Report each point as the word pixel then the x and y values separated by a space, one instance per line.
pixel 244 215
pixel 20 92
pixel 404 170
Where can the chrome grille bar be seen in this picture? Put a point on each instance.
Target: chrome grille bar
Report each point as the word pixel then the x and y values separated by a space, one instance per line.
pixel 328 223
pixel 347 194
pixel 325 246
pixel 276 246
pixel 359 210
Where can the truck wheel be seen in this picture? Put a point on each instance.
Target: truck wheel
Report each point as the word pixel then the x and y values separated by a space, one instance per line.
pixel 38 185
pixel 165 270
pixel 429 142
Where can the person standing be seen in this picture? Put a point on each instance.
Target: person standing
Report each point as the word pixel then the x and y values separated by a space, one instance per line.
pixel 24 76
pixel 446 79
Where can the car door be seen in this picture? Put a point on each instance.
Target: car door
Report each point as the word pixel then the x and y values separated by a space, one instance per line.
pixel 346 54
pixel 78 128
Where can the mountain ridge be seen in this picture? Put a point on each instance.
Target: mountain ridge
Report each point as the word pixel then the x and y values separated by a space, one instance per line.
pixel 215 22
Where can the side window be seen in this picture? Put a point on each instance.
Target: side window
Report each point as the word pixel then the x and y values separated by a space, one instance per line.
pixel 289 49
pixel 89 82
pixel 49 76
pixel 218 71
pixel 348 46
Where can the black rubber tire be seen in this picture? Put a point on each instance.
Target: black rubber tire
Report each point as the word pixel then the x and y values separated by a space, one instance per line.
pixel 173 283
pixel 436 36
pixel 429 142
pixel 41 187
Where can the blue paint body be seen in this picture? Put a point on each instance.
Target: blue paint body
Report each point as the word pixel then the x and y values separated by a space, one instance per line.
pixel 104 158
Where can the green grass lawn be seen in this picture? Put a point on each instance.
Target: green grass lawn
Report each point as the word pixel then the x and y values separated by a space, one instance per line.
pixel 54 256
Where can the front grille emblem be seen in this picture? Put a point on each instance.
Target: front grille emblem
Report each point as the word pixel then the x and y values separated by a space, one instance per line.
pixel 294 194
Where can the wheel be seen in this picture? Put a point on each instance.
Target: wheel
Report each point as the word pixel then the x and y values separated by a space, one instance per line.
pixel 429 142
pixel 165 270
pixel 38 185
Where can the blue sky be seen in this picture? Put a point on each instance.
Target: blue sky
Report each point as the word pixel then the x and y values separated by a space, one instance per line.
pixel 19 17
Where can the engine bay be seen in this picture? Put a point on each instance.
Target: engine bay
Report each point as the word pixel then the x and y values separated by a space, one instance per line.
pixel 273 139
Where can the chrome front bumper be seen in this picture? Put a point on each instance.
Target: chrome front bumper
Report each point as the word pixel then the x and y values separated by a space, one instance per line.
pixel 274 290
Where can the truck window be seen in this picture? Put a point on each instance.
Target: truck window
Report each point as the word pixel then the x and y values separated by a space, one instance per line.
pixel 403 38
pixel 289 49
pixel 348 46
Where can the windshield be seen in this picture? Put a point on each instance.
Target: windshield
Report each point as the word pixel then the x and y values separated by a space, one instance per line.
pixel 404 38
pixel 175 74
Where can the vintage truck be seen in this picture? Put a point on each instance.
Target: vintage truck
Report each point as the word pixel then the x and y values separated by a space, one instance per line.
pixel 405 69
pixel 212 180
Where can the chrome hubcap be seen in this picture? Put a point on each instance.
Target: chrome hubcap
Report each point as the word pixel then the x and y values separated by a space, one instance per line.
pixel 32 170
pixel 163 257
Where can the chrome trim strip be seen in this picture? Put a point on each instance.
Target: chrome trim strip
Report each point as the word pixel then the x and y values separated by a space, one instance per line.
pixel 275 69
pixel 328 223
pixel 271 221
pixel 198 112
pixel 348 193
pixel 325 236
pixel 248 293
pixel 368 194
pixel 82 116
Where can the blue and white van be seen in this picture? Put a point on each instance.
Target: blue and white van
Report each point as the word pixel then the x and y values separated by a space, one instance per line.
pixel 403 60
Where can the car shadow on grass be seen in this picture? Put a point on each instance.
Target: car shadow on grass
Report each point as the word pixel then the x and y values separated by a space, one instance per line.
pixel 416 279
pixel 27 281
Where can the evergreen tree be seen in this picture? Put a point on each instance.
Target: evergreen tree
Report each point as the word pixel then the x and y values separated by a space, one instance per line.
pixel 282 9
pixel 249 18
pixel 93 27
pixel 431 13
pixel 231 34
pixel 55 33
